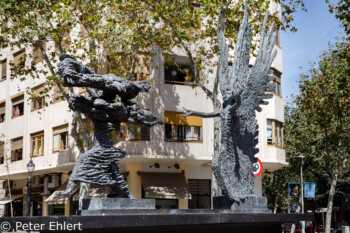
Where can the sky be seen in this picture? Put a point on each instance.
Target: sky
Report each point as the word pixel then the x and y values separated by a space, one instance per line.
pixel 316 28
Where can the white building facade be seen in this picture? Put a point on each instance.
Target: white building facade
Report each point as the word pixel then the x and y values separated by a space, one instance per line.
pixel 183 146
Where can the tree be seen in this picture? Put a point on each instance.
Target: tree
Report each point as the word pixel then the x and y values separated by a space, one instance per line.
pixel 115 31
pixel 325 102
pixel 341 12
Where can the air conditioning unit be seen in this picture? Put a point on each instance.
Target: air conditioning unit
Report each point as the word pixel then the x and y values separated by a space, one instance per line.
pixel 53 181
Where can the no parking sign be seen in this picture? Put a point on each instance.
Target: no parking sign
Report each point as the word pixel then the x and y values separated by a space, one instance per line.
pixel 257 167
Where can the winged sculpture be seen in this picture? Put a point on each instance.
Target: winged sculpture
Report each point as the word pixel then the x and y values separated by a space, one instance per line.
pixel 243 90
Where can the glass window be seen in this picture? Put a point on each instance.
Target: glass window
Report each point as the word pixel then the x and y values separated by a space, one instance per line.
pixel 180 129
pixel 37 144
pixel 168 131
pixel 136 132
pixel 2 112
pixel 179 73
pixel 132 132
pixel 3 70
pixel 2 152
pixel 39 101
pixel 144 133
pixel 60 138
pixel 178 132
pixel 269 131
pixel 275 133
pixel 188 132
pixel 16 149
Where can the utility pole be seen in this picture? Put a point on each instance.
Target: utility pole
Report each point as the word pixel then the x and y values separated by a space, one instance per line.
pixel 302 190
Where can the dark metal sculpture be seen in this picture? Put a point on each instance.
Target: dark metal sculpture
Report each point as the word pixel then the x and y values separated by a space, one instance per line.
pixel 100 164
pixel 243 90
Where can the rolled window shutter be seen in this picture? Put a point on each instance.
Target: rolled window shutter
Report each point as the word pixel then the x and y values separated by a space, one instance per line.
pixel 16 143
pixel 18 100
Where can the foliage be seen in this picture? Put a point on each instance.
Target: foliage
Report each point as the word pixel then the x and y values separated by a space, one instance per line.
pixel 341 11
pixel 317 125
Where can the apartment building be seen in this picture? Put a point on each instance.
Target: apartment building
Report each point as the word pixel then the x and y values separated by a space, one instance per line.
pixel 174 157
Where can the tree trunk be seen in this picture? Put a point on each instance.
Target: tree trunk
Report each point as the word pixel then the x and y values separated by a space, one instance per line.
pixel 330 203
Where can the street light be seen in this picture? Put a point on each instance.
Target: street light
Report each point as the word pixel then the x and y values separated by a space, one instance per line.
pixel 302 190
pixel 30 167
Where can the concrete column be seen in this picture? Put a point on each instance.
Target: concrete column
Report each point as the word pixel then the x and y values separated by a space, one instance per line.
pixel 134 180
pixel 45 207
pixel 183 203
pixel 67 208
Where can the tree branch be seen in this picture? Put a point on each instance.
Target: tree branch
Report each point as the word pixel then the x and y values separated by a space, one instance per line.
pixel 76 115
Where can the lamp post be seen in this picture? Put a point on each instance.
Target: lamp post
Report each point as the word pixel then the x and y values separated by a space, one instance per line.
pixel 302 190
pixel 30 167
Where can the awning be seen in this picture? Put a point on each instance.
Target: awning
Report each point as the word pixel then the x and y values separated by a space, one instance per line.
pixel 165 185
pixel 8 200
pixel 58 198
pixel 95 191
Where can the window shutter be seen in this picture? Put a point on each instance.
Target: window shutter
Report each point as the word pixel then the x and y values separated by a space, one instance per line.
pixel 38 90
pixel 175 118
pixel 60 129
pixel 18 57
pixel 17 143
pixel 18 100
pixel 37 55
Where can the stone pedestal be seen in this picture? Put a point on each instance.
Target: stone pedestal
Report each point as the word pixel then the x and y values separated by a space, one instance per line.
pixel 247 204
pixel 96 205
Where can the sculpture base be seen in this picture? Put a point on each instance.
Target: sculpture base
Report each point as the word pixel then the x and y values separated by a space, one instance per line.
pixel 102 204
pixel 159 221
pixel 247 204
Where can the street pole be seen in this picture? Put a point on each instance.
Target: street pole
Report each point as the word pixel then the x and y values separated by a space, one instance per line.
pixel 29 193
pixel 302 190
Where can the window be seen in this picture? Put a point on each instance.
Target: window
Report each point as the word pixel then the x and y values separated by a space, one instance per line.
pixel 136 133
pixel 60 138
pixel 2 112
pixel 2 152
pixel 182 129
pixel 58 95
pixel 179 73
pixel 278 90
pixel 274 133
pixel 37 55
pixel 124 64
pixel 38 101
pixel 16 149
pixel 3 70
pixel 37 144
pixel 19 59
pixel 201 194
pixel 18 106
